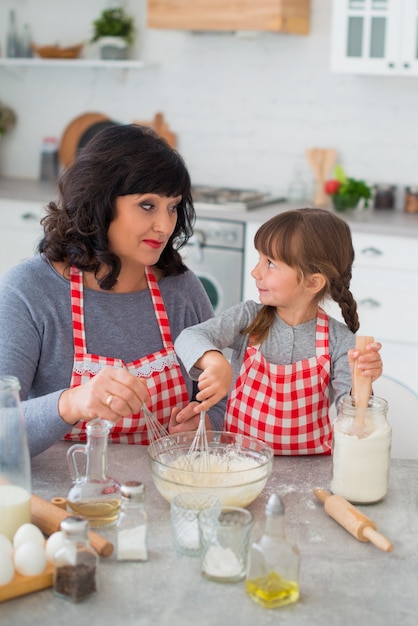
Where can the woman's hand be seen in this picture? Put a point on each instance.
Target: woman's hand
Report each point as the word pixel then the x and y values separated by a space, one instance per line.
pixel 111 394
pixel 370 364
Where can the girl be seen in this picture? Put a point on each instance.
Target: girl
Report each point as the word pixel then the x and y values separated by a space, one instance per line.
pixel 290 359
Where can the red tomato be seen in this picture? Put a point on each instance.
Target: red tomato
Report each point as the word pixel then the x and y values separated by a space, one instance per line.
pixel 332 186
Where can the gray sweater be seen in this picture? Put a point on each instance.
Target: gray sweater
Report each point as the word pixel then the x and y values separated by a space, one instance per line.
pixel 284 344
pixel 36 340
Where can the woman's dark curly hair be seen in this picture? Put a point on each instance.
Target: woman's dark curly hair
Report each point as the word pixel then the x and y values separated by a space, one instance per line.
pixel 119 160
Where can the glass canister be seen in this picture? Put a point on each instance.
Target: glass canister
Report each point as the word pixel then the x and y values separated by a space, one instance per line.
pixel 15 471
pixel 94 494
pixel 362 439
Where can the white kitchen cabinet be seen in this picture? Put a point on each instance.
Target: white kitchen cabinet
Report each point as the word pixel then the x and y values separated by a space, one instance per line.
pixel 385 287
pixel 20 231
pixel 375 37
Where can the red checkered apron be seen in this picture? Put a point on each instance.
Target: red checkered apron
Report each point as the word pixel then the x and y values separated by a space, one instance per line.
pixel 285 405
pixel 165 381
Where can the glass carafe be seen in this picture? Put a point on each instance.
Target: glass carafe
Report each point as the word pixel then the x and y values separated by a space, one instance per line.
pixel 15 471
pixel 361 451
pixel 94 494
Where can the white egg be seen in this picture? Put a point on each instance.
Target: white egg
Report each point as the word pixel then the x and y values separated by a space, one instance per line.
pixel 28 533
pixel 30 559
pixel 6 545
pixel 53 544
pixel 7 571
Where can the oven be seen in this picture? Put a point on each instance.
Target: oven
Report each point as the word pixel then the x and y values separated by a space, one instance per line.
pixel 215 252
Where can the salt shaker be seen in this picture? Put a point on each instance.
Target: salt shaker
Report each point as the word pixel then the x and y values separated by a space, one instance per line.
pixel 75 564
pixel 273 563
pixel 132 523
pixel 361 455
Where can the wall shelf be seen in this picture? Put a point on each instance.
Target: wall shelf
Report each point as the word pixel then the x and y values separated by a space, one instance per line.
pixel 91 63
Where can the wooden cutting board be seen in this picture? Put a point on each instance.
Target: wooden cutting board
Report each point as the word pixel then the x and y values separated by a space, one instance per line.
pixel 22 585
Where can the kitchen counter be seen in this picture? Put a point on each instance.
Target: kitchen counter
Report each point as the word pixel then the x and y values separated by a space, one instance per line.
pixel 343 581
pixel 390 222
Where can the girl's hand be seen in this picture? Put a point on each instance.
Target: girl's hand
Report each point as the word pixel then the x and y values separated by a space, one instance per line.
pixel 111 394
pixel 370 364
pixel 183 420
pixel 215 380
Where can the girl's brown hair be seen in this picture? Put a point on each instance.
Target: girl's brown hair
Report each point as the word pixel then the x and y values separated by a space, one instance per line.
pixel 311 241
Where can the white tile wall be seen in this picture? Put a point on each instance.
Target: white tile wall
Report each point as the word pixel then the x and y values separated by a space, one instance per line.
pixel 244 108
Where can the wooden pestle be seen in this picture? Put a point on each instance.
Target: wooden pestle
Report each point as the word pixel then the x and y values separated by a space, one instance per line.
pixel 361 385
pixel 350 518
pixel 48 518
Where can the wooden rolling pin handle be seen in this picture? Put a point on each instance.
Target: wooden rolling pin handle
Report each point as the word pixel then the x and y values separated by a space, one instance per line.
pixel 48 518
pixel 60 502
pixel 350 518
pixel 380 541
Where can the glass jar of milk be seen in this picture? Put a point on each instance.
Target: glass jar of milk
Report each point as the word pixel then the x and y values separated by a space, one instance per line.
pixel 15 472
pixel 362 439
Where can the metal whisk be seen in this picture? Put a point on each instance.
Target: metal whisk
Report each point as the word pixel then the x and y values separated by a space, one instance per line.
pixel 156 431
pixel 199 451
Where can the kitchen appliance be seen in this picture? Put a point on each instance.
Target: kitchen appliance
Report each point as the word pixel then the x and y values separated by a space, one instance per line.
pixel 207 197
pixel 215 252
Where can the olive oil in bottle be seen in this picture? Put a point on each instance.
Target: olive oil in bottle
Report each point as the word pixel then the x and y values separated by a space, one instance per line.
pixel 273 564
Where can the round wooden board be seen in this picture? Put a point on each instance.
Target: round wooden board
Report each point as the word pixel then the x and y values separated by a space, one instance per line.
pixel 74 131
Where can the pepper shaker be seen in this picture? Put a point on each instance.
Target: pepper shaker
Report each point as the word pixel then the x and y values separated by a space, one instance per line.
pixel 75 564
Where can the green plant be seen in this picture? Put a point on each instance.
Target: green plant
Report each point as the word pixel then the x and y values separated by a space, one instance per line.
pixel 7 118
pixel 114 23
pixel 346 192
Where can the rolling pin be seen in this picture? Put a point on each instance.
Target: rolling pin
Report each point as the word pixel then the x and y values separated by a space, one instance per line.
pixel 350 518
pixel 48 518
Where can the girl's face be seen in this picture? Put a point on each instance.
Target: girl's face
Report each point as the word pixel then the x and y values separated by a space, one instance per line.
pixel 278 284
pixel 142 227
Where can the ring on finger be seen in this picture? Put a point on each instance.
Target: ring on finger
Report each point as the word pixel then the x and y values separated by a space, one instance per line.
pixel 109 400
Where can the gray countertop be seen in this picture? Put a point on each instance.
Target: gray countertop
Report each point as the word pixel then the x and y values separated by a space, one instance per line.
pixel 385 222
pixel 343 581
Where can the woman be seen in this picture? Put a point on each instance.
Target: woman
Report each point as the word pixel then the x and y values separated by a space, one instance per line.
pixel 88 324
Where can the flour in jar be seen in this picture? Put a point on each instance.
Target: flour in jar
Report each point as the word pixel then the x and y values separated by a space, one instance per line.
pixel 361 464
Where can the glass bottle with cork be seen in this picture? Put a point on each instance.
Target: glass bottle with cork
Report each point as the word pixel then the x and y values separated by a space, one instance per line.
pixel 132 523
pixel 273 563
pixel 76 562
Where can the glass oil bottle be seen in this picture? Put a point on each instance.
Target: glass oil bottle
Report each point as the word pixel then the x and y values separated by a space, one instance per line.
pixel 94 495
pixel 273 563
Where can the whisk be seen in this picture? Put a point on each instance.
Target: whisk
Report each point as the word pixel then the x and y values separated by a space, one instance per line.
pixel 156 430
pixel 199 451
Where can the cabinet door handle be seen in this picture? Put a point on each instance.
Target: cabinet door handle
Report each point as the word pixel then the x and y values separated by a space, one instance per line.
pixel 29 216
pixel 371 251
pixel 370 303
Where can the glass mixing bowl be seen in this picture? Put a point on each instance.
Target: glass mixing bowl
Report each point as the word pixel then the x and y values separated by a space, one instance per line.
pixel 239 466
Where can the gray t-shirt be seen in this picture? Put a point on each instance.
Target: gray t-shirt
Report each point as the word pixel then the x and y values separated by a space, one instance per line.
pixel 36 337
pixel 284 345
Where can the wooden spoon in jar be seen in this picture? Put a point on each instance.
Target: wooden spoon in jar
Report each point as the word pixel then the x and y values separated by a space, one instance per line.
pixel 361 385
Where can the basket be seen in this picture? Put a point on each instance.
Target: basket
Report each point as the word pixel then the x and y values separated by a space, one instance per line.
pixel 55 52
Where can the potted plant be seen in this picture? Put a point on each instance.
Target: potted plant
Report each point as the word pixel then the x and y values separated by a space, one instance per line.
pixel 7 118
pixel 346 192
pixel 114 32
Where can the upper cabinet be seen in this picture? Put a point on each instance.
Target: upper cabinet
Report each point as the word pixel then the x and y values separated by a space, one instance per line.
pixel 286 16
pixel 375 37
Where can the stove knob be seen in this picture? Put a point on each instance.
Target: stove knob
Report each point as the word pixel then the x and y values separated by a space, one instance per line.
pixel 230 237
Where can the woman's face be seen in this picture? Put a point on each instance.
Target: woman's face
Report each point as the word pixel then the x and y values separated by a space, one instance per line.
pixel 142 227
